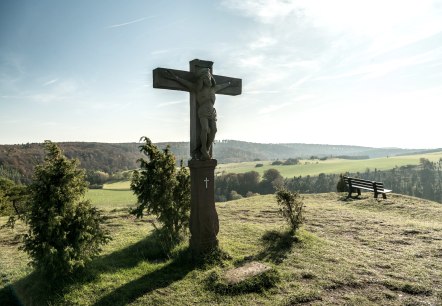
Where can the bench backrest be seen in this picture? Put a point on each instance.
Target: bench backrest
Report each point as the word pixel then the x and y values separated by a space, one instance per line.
pixel 357 182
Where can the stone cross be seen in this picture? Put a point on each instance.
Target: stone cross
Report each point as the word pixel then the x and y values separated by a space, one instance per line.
pixel 162 80
pixel 204 224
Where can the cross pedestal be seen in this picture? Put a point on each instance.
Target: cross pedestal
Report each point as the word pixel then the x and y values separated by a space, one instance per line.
pixel 204 224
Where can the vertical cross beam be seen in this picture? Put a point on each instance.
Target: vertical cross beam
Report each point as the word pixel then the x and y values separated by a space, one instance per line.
pixel 195 127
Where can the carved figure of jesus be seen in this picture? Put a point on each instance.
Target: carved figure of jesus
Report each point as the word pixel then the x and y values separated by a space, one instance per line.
pixel 205 88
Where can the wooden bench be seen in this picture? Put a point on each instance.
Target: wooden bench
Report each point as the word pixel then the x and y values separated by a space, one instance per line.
pixel 356 184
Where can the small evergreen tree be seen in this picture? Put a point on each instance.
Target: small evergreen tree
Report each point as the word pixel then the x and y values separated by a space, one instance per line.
pixel 291 207
pixel 65 231
pixel 162 190
pixel 13 201
pixel 6 186
pixel 341 186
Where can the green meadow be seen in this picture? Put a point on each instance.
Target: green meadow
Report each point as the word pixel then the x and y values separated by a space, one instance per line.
pixel 329 166
pixel 348 252
pixel 113 196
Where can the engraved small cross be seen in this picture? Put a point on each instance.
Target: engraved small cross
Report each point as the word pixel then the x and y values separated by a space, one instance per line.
pixel 206 180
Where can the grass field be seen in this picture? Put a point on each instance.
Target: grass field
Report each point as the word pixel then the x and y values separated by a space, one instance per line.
pixel 354 252
pixel 112 196
pixel 315 167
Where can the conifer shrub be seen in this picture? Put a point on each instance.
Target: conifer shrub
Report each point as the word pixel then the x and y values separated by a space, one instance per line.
pixel 291 208
pixel 162 190
pixel 341 186
pixel 65 231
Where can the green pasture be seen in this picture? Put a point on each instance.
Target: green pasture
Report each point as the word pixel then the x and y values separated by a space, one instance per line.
pixel 112 196
pixel 315 167
pixel 348 252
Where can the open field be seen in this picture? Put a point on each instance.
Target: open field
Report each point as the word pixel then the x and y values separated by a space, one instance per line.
pixel 112 196
pixel 315 167
pixel 355 252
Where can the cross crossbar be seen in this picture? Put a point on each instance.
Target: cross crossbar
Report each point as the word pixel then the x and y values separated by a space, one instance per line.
pixel 160 81
pixel 173 79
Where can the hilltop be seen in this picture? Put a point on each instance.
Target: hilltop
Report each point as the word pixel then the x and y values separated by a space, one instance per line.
pixel 349 252
pixel 19 160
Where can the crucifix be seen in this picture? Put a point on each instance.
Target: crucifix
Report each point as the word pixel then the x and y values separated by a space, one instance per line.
pixel 203 86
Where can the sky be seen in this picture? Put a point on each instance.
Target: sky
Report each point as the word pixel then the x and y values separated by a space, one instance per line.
pixel 345 72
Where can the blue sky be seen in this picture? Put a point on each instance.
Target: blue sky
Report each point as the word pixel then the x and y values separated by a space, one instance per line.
pixel 82 70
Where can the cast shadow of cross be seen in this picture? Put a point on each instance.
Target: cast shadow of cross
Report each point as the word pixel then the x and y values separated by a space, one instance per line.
pixel 147 249
pixel 276 246
pixel 160 278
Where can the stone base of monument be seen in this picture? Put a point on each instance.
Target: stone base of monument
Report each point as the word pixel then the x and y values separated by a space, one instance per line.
pixel 204 223
pixel 250 277
pixel 247 271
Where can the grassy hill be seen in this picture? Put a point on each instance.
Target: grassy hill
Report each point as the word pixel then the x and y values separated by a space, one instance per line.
pixel 355 252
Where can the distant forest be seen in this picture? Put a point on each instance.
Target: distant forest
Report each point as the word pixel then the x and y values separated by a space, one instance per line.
pixel 423 181
pixel 17 162
pixel 104 161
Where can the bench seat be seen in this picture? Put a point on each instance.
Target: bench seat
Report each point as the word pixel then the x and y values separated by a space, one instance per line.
pixel 356 184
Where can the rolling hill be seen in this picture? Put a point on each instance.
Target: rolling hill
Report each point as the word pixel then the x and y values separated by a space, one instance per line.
pixel 18 161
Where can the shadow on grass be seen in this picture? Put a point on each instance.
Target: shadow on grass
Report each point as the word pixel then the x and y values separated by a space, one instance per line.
pixel 346 198
pixel 276 245
pixel 160 278
pixel 36 290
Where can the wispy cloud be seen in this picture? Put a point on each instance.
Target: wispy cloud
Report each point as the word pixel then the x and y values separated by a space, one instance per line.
pixel 171 103
pixel 273 108
pixel 129 22
pixel 371 71
pixel 50 82
pixel 61 91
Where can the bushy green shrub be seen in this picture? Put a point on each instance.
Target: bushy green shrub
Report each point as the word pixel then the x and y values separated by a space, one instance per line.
pixel 162 190
pixel 341 186
pixel 291 161
pixel 291 207
pixel 13 201
pixel 6 186
pixel 277 163
pixel 235 195
pixel 65 231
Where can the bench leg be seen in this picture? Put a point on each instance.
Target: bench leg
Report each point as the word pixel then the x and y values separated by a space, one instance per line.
pixel 375 195
pixel 359 192
pixel 384 195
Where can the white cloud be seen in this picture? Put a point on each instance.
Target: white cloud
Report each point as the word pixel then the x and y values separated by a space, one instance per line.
pixel 266 11
pixel 263 42
pixel 50 82
pixel 273 107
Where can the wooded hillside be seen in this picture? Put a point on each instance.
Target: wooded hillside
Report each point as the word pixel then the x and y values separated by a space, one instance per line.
pixel 17 162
